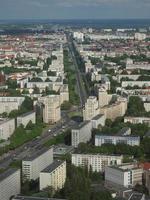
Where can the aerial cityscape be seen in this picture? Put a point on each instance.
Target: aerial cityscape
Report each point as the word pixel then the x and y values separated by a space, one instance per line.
pixel 74 100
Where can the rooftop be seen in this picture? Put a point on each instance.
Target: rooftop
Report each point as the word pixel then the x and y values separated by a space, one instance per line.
pixel 3 120
pixel 7 173
pixel 136 196
pixel 81 125
pixel 33 198
pixel 26 114
pixel 97 116
pixel 36 154
pixel 53 166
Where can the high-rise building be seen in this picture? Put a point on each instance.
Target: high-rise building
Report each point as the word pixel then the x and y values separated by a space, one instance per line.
pixel 34 164
pixel 81 133
pixel 51 108
pixel 53 176
pixel 91 108
pixel 10 183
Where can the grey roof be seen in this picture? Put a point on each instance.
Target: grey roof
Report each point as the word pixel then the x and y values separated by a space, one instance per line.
pixel 97 117
pixel 136 196
pixel 147 134
pixel 81 125
pixel 26 114
pixel 36 154
pixel 33 198
pixel 7 173
pixel 53 166
pixel 123 131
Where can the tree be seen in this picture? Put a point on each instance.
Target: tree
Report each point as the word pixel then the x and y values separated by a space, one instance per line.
pixel 66 105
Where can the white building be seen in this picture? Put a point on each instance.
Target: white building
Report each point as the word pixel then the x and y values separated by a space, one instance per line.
pixel 26 118
pixel 81 133
pixel 7 128
pixel 97 162
pixel 53 176
pixel 79 36
pixel 124 175
pixel 7 104
pixel 112 139
pixel 91 108
pixel 98 120
pixel 137 120
pixel 10 183
pixel 34 164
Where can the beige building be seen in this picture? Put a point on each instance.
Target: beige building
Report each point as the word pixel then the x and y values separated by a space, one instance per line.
pixel 115 110
pixel 51 108
pixel 97 162
pixel 91 108
pixel 127 175
pixel 34 164
pixel 53 176
pixel 26 118
pixel 10 183
pixel 7 128
pixel 103 98
pixel 147 180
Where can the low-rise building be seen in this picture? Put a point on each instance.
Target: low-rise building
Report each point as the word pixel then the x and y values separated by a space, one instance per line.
pixel 137 120
pixel 34 164
pixel 127 175
pixel 7 128
pixel 26 118
pixel 81 133
pixel 97 162
pixel 112 139
pixel 10 183
pixel 53 176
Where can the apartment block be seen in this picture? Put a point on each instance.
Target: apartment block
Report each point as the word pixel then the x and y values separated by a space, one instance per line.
pixel 97 162
pixel 98 120
pixel 7 104
pixel 7 128
pixel 51 108
pixel 91 108
pixel 10 183
pixel 26 118
pixel 137 120
pixel 115 110
pixel 115 139
pixel 81 133
pixel 53 176
pixel 127 175
pixel 34 164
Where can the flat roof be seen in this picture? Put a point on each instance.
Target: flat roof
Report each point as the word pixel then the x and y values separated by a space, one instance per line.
pixel 97 117
pixel 3 120
pixel 33 198
pixel 136 196
pixel 53 166
pixel 7 173
pixel 81 125
pixel 37 154
pixel 25 114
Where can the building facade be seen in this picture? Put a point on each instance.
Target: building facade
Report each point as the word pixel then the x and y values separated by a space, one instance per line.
pixel 91 108
pixel 32 166
pixel 7 128
pixel 81 133
pixel 10 183
pixel 51 109
pixel 53 176
pixel 124 175
pixel 26 118
pixel 97 162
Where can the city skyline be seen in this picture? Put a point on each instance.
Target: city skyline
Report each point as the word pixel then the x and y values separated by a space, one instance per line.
pixel 69 9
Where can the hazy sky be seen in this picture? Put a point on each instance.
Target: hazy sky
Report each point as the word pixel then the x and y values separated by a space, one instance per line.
pixel 74 9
